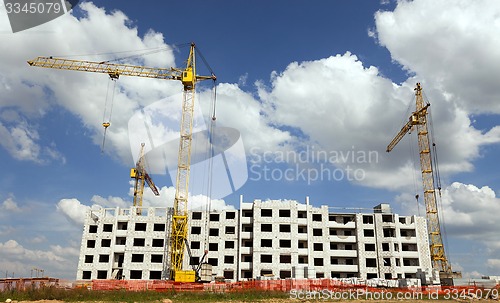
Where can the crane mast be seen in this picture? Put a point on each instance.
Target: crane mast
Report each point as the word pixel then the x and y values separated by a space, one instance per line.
pixel 189 78
pixel 418 119
pixel 179 230
pixel 141 177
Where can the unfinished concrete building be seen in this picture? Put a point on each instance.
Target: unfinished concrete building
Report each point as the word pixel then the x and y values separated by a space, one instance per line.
pixel 277 238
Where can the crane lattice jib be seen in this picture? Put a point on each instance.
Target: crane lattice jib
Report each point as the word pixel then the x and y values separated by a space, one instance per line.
pixel 107 68
pixel 112 69
pixel 189 79
pixel 419 119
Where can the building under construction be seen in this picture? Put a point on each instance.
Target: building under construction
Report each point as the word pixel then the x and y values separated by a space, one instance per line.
pixel 263 239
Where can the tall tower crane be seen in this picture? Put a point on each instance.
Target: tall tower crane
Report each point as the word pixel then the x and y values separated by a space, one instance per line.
pixel 141 176
pixel 419 119
pixel 188 78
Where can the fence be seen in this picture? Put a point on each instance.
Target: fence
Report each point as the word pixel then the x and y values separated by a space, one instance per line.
pixel 27 283
pixel 288 285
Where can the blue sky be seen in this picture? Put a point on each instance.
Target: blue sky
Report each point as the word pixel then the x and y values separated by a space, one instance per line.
pixel 332 77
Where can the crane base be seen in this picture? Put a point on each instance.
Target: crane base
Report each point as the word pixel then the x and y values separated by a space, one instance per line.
pixel 185 276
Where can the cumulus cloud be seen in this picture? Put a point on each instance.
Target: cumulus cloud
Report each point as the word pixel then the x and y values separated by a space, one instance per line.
pixel 455 51
pixel 327 103
pixel 110 201
pixel 83 94
pixel 455 58
pixel 29 92
pixel 65 251
pixel 22 142
pixel 468 213
pixel 330 103
pixel 16 250
pixel 257 129
pixel 350 107
pixel 38 239
pixel 494 264
pixel 472 212
pixel 242 80
pixel 167 195
pixel 20 260
pixel 10 205
pixel 195 202
pixel 73 210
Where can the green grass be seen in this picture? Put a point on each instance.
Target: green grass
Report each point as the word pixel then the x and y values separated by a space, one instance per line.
pixel 84 295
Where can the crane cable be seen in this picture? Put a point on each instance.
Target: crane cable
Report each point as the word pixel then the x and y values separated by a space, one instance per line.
pixel 210 156
pixel 134 53
pixel 198 51
pixel 210 146
pixel 106 119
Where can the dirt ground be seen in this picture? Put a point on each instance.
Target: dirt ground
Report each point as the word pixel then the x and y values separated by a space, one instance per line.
pixel 299 301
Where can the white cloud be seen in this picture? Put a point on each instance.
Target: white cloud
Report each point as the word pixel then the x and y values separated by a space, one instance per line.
pixel 242 80
pixel 22 142
pixel 110 201
pixel 452 44
pixel 195 202
pixel 256 129
pixel 10 205
pixel 349 107
pixel 83 94
pixel 13 249
pixel 471 275
pixel 73 210
pixel 468 213
pixel 29 92
pixel 65 251
pixel 330 102
pixel 58 261
pixel 472 212
pixel 38 239
pixel 494 264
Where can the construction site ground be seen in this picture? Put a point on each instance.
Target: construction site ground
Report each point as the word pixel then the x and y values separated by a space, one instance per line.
pixel 282 301
pixel 274 291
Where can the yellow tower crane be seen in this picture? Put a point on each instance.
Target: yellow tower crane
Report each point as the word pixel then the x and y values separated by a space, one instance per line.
pixel 419 119
pixel 189 78
pixel 141 176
